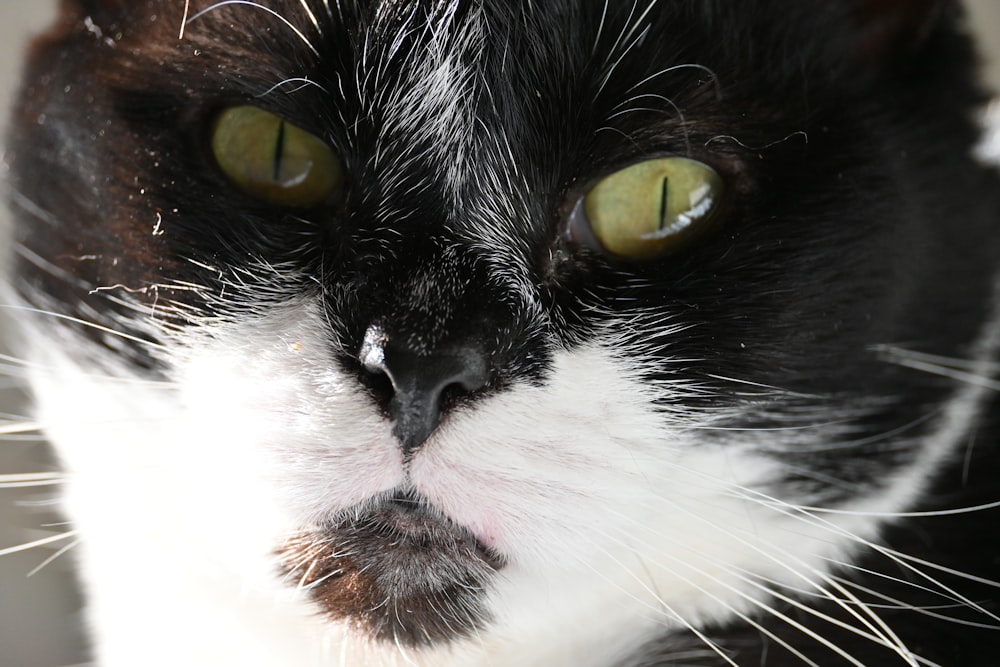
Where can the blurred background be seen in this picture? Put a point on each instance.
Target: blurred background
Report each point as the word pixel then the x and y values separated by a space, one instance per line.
pixel 40 620
pixel 39 606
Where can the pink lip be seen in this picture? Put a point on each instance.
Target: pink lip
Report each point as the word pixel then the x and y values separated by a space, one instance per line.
pixel 465 500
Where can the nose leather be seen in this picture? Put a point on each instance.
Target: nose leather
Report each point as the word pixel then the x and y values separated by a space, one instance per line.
pixel 419 380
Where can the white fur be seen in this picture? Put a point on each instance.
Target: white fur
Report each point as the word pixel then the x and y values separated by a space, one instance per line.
pixel 617 521
pixel 617 518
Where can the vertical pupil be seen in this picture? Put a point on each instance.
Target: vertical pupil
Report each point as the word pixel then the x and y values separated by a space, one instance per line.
pixel 663 202
pixel 279 150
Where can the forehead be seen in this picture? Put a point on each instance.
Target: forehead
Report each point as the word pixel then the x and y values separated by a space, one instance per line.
pixel 504 40
pixel 425 70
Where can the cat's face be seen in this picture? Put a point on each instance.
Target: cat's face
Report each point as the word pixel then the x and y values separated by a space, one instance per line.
pixel 446 323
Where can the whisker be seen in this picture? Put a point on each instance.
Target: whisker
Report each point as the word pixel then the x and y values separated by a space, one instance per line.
pixel 965 371
pixel 329 12
pixel 184 18
pixel 32 208
pixel 892 603
pixel 312 17
pixel 937 359
pixel 92 325
pixel 771 387
pixel 898 515
pixel 879 631
pixel 768 429
pixel 807 513
pixel 52 539
pixel 22 427
pixel 764 606
pixel 600 25
pixel 48 267
pixel 19 366
pixel 951 373
pixel 663 606
pixel 903 560
pixel 623 41
pixel 729 137
pixel 879 639
pixel 923 609
pixel 51 559
pixel 673 68
pixel 673 105
pixel 256 5
pixel 303 81
pixel 900 557
pixel 25 480
pixel 882 575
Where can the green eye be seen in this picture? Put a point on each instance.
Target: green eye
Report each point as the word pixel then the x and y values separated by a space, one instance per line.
pixel 650 208
pixel 273 160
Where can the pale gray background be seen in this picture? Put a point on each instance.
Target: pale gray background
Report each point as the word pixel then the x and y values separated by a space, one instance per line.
pixel 38 613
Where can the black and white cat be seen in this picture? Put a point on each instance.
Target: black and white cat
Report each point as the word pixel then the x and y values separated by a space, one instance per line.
pixel 500 332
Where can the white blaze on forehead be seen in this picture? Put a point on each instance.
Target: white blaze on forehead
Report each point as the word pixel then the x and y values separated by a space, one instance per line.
pixel 433 107
pixel 431 133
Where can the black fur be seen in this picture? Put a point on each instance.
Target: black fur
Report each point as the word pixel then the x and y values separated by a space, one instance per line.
pixel 856 218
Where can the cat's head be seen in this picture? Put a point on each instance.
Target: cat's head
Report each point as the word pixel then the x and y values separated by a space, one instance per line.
pixel 432 310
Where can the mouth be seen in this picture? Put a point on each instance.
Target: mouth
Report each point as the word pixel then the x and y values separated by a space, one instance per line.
pixel 396 569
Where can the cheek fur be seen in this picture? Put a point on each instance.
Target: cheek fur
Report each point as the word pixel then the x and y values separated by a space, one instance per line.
pixel 252 503
pixel 574 475
pixel 580 478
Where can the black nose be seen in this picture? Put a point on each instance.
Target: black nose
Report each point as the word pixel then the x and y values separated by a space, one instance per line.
pixel 419 381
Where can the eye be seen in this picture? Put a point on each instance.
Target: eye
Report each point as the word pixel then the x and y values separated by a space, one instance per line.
pixel 648 209
pixel 270 159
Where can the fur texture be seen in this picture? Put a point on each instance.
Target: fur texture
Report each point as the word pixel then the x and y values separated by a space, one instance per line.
pixel 774 446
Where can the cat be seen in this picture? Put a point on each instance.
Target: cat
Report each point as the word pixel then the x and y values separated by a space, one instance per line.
pixel 500 332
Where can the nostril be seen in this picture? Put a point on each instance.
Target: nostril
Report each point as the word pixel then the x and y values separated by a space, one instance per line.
pixel 463 369
pixel 376 380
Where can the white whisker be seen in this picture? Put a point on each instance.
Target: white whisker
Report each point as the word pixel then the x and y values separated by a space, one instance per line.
pixel 674 68
pixel 952 373
pixel 666 100
pixel 600 25
pixel 901 559
pixel 24 480
pixel 312 17
pixel 961 370
pixel 51 559
pixel 52 539
pixel 255 5
pixel 184 18
pixel 302 81
pixel 91 325
pixel 926 610
pixel 662 606
pixel 936 359
pixel 329 11
pixel 623 45
pixel 690 564
pixel 896 515
pixel 22 427
pixel 880 633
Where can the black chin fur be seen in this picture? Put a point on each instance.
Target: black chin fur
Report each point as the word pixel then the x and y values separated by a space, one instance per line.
pixel 397 570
